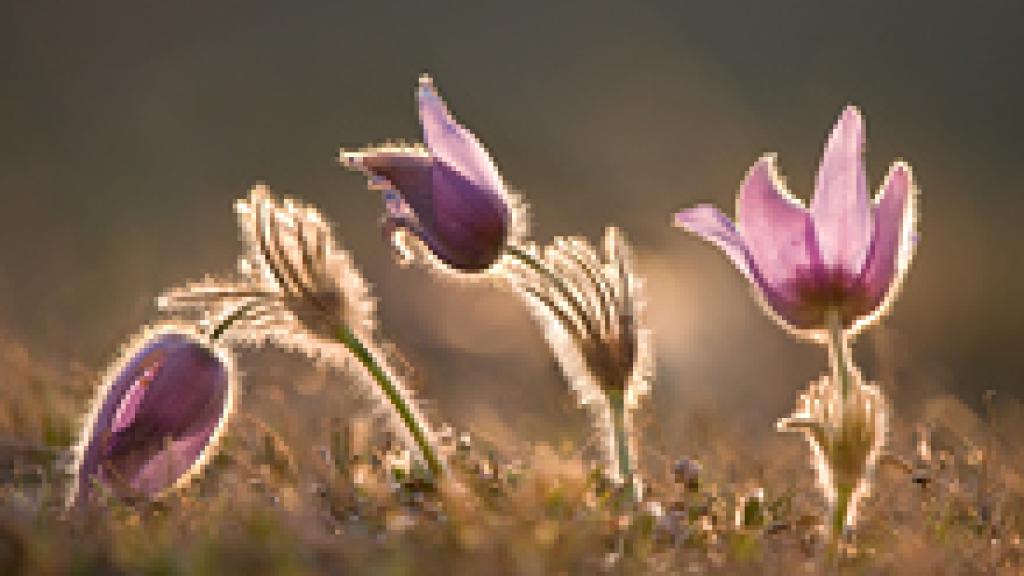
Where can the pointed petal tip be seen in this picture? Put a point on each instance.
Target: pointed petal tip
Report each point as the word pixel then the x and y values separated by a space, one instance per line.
pixel 900 171
pixel 848 128
pixel 851 113
pixel 765 165
pixel 687 217
pixel 351 159
pixel 426 92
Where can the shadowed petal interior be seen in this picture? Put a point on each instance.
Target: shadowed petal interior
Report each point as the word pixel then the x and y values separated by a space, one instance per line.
pixel 408 171
pixel 775 228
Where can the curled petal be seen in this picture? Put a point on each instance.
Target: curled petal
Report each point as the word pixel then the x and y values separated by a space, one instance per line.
pixel 841 208
pixel 710 224
pixel 406 170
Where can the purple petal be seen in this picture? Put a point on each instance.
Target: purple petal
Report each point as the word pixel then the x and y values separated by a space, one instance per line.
pixel 159 413
pixel 453 144
pixel 463 224
pixel 841 208
pixel 710 224
pixel 776 229
pixel 472 223
pixel 406 170
pixel 892 243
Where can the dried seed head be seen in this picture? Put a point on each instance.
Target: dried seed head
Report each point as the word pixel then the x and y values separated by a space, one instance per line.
pixel 298 289
pixel 593 312
pixel 295 285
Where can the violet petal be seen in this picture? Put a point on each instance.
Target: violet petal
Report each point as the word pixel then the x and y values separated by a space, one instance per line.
pixel 893 238
pixel 408 171
pixel 451 143
pixel 472 223
pixel 159 413
pixel 841 208
pixel 712 225
pixel 776 229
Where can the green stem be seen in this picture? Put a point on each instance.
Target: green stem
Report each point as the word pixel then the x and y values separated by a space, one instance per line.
pixel 620 441
pixel 401 404
pixel 839 351
pixel 230 319
pixel 616 399
pixel 844 493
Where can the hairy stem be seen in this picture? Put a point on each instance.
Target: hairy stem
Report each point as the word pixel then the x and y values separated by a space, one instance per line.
pixel 416 428
pixel 620 441
pixel 839 351
pixel 844 495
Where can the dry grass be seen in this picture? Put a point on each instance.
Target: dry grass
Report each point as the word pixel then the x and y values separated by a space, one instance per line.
pixel 294 493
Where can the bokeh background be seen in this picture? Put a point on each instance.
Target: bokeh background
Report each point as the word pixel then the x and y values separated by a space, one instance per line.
pixel 128 128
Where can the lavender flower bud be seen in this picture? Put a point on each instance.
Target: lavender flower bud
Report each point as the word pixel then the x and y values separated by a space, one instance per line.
pixel 157 418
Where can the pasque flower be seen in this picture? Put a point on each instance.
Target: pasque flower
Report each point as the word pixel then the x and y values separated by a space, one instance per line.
pixel 826 272
pixel 158 416
pixel 845 255
pixel 846 435
pixel 299 289
pixel 447 193
pixel 593 312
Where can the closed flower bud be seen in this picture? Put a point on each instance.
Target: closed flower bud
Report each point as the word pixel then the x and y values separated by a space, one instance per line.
pixel 447 193
pixel 157 417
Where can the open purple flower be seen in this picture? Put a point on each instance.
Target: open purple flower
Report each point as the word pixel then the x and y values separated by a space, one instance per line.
pixel 844 257
pixel 157 417
pixel 447 193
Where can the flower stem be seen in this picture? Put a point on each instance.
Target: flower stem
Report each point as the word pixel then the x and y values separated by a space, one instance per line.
pixel 395 396
pixel 230 319
pixel 844 494
pixel 838 351
pixel 620 441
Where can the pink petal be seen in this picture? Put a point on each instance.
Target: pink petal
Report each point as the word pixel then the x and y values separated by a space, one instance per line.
pixel 453 144
pixel 776 229
pixel 841 208
pixel 892 243
pixel 710 224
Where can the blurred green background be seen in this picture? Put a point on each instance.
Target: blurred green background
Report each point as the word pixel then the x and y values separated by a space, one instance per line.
pixel 127 129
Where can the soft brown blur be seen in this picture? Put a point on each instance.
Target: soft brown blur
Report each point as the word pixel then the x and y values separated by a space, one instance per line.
pixel 127 129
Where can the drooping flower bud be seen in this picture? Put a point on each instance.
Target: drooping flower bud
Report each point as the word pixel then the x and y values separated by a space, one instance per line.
pixel 157 417
pixel 447 193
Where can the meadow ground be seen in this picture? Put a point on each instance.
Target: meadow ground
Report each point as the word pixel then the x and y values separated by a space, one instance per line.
pixel 307 492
